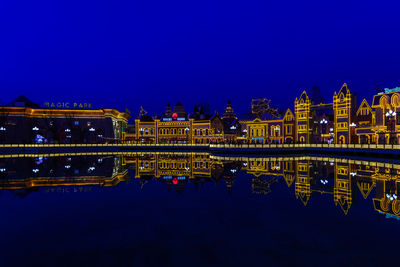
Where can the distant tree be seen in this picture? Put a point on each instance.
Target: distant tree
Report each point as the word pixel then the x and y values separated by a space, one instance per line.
pixel 261 106
pixel 142 112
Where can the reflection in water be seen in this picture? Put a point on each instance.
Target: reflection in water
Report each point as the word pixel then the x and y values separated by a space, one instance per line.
pixel 310 176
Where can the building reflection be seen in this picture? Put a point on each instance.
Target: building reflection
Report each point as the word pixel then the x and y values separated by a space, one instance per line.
pixel 344 181
pixel 60 174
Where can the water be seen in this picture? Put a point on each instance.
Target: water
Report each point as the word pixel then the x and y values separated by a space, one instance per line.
pixel 197 210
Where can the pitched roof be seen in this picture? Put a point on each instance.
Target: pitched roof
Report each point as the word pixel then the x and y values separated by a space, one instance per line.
pixel 22 101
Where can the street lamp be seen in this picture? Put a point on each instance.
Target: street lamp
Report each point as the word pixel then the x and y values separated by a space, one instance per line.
pixel 390 115
pixel 2 128
pixel 187 134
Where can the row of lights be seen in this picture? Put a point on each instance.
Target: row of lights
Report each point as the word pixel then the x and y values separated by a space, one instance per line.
pixel 37 129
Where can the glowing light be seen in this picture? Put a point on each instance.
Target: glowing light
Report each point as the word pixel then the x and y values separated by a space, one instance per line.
pixel 390 113
pixel 2 170
pixel 67 130
pixel 175 180
pixel 35 129
pixel 92 129
pixel 67 166
pixel 2 128
pixel 35 170
pixel 233 127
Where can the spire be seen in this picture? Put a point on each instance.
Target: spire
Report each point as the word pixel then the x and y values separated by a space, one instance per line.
pixel 229 113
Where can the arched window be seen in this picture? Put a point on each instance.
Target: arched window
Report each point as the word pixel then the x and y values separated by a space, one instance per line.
pixel 278 130
pixel 395 101
pixel 383 102
pixel 206 131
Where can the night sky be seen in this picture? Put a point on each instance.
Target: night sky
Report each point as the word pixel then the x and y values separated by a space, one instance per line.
pixel 131 53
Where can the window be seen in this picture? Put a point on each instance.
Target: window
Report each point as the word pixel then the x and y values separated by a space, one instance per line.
pixel 76 122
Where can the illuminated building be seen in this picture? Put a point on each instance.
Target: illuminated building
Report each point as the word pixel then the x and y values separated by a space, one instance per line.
pixel 344 103
pixel 278 131
pixel 208 131
pixel 318 122
pixel 23 121
pixel 312 122
pixel 365 119
pixel 232 126
pixel 387 122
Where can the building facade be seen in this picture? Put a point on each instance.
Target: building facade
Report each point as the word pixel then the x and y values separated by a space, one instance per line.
pixel 23 121
pixel 313 121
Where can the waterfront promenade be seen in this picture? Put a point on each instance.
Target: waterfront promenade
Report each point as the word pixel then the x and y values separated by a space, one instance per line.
pixel 262 149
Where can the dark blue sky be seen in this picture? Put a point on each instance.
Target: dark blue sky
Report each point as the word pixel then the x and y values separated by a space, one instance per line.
pixel 131 53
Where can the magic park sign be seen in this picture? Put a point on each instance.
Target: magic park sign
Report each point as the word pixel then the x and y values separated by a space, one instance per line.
pixel 68 105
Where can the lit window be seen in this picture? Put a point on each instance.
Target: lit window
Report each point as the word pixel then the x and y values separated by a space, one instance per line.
pixel 76 122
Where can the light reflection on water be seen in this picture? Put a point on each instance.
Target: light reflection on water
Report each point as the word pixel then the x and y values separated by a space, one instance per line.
pixel 197 209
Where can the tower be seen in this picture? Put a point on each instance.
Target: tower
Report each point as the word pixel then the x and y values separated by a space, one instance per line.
pixel 342 193
pixel 302 107
pixel 229 113
pixel 343 107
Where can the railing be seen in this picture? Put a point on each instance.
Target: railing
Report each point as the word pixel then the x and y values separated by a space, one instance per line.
pixel 227 146
pixel 332 146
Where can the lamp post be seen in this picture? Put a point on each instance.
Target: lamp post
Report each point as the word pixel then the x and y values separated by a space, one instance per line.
pixel 352 131
pixel 390 115
pixel 3 133
pixel 141 130
pixel 187 134
pixel 323 123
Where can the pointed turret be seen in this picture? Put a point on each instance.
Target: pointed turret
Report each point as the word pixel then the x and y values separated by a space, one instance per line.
pixel 229 114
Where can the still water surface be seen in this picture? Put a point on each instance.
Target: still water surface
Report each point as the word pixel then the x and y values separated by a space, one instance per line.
pixel 191 209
